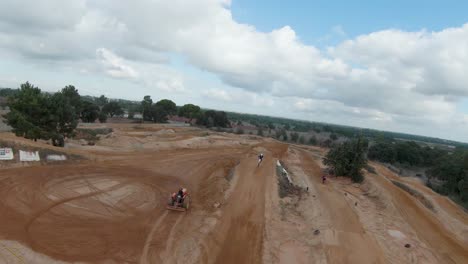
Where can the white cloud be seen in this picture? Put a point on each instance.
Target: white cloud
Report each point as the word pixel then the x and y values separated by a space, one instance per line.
pixel 114 65
pixel 217 94
pixel 384 77
pixel 338 30
pixel 239 96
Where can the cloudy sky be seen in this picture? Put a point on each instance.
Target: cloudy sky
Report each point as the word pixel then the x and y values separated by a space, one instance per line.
pixel 398 66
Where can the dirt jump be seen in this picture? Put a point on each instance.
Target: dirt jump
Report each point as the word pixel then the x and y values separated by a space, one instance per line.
pixel 111 206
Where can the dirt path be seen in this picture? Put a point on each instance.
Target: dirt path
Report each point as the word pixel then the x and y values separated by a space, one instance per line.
pixel 448 249
pixel 245 214
pixel 149 238
pixel 345 239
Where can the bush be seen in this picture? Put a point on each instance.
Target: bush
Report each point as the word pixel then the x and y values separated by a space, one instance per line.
pixel 313 140
pixel 260 132
pixel 348 159
pixel 294 136
pixel 239 131
pixel 301 140
pixel 103 117
pixel 212 118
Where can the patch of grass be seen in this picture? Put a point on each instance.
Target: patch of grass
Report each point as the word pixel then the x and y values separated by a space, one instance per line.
pixel 91 134
pixel 428 204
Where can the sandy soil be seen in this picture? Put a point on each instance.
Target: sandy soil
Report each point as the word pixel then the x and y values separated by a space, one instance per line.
pixel 110 206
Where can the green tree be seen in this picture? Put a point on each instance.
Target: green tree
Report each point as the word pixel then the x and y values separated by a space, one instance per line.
pixel 301 140
pixel 260 132
pixel 313 140
pixel 146 108
pixel 190 111
pixel 284 134
pixel 161 110
pixel 102 117
pixel 113 108
pixel 348 159
pixel 463 188
pixel 101 101
pixel 36 115
pixel 89 112
pixel 63 119
pixel 158 114
pixel 333 137
pixel 73 98
pixel 278 134
pixel 270 126
pixel 168 106
pixel 131 114
pixel 28 109
pixel 294 136
pixel 8 92
pixel 382 151
pixel 212 118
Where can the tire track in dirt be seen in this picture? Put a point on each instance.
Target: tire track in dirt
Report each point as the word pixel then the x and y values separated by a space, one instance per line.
pixel 346 240
pixel 166 255
pixel 447 248
pixel 239 235
pixel 43 211
pixel 149 238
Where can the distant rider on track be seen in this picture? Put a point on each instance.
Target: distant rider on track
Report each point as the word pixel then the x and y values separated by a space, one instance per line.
pixel 260 159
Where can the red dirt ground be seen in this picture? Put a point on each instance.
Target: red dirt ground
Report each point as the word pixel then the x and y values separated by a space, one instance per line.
pixel 111 207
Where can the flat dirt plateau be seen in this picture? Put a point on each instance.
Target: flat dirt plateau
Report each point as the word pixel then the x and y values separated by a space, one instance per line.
pixel 110 206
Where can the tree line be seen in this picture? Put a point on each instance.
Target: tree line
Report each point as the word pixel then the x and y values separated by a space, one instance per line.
pixel 447 170
pixel 35 114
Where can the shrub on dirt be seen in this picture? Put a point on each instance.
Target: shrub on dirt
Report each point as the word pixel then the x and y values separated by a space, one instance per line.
pixel 301 140
pixel 294 136
pixel 91 134
pixel 239 131
pixel 89 112
pixel 260 132
pixel 313 140
pixel 348 159
pixel 102 117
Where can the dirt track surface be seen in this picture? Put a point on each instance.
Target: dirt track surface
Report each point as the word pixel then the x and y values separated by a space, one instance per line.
pixel 111 208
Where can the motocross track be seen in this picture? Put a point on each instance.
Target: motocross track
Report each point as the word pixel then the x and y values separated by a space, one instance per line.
pixel 110 207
